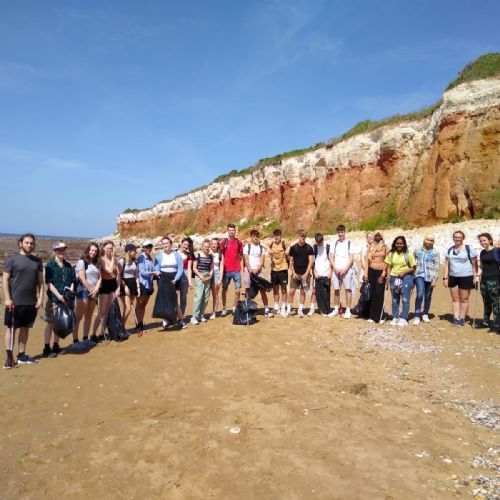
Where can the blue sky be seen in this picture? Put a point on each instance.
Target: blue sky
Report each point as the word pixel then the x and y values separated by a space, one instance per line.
pixel 108 105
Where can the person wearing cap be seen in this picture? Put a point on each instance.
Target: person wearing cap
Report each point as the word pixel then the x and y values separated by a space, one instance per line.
pixel 130 289
pixel 23 294
pixel 59 275
pixel 146 266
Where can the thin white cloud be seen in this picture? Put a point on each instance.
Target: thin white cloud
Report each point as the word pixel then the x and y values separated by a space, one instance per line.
pixel 37 160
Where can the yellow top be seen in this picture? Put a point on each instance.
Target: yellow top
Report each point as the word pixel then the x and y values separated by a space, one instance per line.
pixel 398 262
pixel 278 259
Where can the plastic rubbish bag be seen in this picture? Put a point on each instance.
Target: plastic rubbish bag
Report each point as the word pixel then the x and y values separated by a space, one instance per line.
pixel 116 328
pixel 323 289
pixel 64 321
pixel 244 314
pixel 258 283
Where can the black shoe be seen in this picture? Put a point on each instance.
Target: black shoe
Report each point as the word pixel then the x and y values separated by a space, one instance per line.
pixel 100 339
pixel 56 349
pixel 482 324
pixel 494 329
pixel 93 338
pixel 48 353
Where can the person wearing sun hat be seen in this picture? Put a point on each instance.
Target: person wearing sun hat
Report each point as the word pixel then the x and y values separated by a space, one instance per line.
pixel 146 266
pixel 59 274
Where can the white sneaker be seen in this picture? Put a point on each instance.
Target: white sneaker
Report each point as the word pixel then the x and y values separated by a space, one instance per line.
pixel 300 313
pixel 233 310
pixel 212 316
pixel 165 323
pixel 416 321
pixel 311 312
pixel 268 313
pixel 194 321
pixel 426 319
pixel 371 321
pixel 402 322
pixel 276 309
pixel 283 310
pixel 347 314
pixel 335 312
pixel 203 319
pixel 224 312
pixel 394 321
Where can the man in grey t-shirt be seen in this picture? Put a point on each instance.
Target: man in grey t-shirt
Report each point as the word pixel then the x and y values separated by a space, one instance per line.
pixel 23 292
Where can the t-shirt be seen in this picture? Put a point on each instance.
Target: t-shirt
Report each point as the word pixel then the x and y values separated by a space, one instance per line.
pixel 168 263
pixel 60 276
pixel 231 254
pixel 342 254
pixel 278 258
pixel 489 264
pixel 204 262
pixel 186 257
pixel 130 270
pixel 322 261
pixel 23 282
pixel 300 256
pixel 217 258
pixel 91 274
pixel 254 253
pixel 459 263
pixel 398 262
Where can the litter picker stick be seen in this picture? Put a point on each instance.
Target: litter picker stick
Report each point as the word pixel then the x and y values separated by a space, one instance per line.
pixel 386 288
pixel 12 330
pixel 475 307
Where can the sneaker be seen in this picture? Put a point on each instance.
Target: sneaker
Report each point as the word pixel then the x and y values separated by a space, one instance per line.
pixel 194 321
pixel 212 316
pixel 100 339
pixel 203 319
pixel 483 324
pixel 394 321
pixel 371 321
pixel 426 319
pixel 48 353
pixel 416 321
pixel 300 313
pixel 182 324
pixel 283 310
pixel 24 359
pixel 9 363
pixel 335 312
pixel 456 322
pixel 165 323
pixel 494 329
pixel 285 313
pixel 56 349
pixel 311 312
pixel 268 314
pixel 402 322
pixel 462 322
pixel 277 309
pixel 233 310
pixel 224 312
pixel 347 314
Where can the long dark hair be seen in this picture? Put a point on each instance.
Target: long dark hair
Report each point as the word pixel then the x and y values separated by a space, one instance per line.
pixel 22 237
pixel 86 254
pixel 405 245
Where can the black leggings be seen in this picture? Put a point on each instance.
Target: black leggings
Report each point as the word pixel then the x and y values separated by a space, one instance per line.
pixel 377 298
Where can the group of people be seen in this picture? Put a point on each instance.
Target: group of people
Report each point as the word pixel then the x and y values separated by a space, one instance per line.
pixel 100 277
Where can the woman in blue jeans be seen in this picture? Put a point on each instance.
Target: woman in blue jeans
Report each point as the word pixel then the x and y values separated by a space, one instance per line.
pixel 400 268
pixel 426 275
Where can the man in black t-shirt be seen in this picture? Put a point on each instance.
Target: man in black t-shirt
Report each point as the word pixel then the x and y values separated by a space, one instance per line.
pixel 301 262
pixel 23 292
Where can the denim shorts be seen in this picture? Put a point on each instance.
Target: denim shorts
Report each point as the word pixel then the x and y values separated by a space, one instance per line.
pixel 231 275
pixel 83 294
pixel 216 277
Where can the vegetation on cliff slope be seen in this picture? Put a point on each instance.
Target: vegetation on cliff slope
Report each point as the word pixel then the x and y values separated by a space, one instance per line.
pixel 484 67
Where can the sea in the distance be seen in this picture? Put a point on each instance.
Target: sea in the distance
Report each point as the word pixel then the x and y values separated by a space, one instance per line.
pixel 46 236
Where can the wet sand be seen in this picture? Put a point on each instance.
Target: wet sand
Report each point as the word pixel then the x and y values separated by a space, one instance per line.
pixel 326 408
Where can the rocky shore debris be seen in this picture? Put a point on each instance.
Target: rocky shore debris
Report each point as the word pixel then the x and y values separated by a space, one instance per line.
pixel 391 339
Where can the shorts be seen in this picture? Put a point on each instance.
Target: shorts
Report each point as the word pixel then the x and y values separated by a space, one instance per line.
pixel 347 281
pixel 246 277
pixel 231 275
pixel 279 277
pixel 298 282
pixel 108 286
pixel 463 282
pixel 146 291
pixel 83 295
pixel 216 277
pixel 50 307
pixel 132 286
pixel 24 317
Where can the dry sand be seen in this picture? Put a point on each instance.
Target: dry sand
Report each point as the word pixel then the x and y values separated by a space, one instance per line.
pixel 326 408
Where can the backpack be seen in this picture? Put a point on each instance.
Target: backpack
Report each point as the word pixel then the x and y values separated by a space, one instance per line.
pixel 348 246
pixel 224 244
pixel 283 245
pixel 315 248
pixel 467 249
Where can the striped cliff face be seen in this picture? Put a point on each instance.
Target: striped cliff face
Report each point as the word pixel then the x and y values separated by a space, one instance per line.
pixel 429 170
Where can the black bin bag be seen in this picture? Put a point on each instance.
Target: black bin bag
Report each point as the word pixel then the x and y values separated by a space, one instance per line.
pixel 116 328
pixel 361 308
pixel 323 289
pixel 258 283
pixel 64 321
pixel 166 300
pixel 244 314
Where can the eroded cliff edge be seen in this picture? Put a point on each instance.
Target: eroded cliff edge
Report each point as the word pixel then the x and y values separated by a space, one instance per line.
pixel 429 170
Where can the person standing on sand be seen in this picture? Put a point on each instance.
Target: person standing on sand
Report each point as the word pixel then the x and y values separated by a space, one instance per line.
pixel 322 274
pixel 23 294
pixel 146 275
pixel 364 253
pixel 343 272
pixel 460 271
pixel 87 273
pixel 185 282
pixel 59 275
pixel 301 263
pixel 218 273
pixel 279 255
pixel 426 276
pixel 130 289
pixel 203 268
pixel 489 276
pixel 254 254
pixel 232 250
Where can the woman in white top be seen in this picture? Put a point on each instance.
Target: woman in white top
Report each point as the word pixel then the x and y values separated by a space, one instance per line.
pixel 364 252
pixel 130 289
pixel 88 277
pixel 218 259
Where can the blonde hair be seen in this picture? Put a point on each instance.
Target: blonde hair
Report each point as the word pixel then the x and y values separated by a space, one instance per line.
pixel 429 236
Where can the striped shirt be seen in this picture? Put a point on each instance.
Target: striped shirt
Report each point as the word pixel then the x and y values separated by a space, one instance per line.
pixel 204 262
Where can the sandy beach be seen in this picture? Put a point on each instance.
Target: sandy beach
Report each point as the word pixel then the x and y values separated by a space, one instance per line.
pixel 287 408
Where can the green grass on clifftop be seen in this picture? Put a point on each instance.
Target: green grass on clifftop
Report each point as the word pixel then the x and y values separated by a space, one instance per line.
pixel 484 67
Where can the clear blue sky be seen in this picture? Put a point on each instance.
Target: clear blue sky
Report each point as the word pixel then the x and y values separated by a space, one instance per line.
pixel 107 105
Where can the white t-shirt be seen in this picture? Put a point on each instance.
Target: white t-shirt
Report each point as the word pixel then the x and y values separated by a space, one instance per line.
pixel 92 274
pixel 168 263
pixel 322 261
pixel 342 253
pixel 254 253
